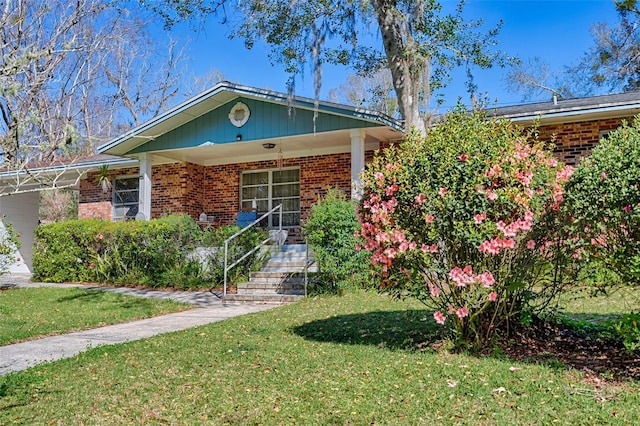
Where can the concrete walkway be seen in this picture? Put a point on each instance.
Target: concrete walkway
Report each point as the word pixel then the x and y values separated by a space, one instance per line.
pixel 21 356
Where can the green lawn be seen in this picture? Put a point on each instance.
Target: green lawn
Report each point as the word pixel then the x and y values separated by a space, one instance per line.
pixel 357 359
pixel 27 313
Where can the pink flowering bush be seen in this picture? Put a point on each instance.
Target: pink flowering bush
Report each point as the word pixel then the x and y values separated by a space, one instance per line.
pixel 466 221
pixel 603 201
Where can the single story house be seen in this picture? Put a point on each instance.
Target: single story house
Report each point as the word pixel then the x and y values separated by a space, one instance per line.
pixel 235 147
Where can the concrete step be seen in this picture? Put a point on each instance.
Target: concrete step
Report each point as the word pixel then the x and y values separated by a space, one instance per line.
pixel 268 292
pixel 262 298
pixel 273 287
pixel 276 277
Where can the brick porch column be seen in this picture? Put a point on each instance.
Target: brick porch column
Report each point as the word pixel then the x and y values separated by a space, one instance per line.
pixel 357 161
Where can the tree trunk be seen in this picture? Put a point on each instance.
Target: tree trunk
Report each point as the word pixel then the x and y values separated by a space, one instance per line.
pixel 408 68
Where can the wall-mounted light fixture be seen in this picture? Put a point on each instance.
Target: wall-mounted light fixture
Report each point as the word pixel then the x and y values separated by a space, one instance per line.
pixel 238 137
pixel 268 145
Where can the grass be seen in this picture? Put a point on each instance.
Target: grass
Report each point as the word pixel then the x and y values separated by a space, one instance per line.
pixel 356 359
pixel 27 313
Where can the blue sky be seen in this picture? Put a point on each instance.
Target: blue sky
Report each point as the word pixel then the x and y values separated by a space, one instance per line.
pixel 557 31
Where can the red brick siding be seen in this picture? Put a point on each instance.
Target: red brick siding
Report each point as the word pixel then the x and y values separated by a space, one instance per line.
pixel 215 190
pixel 93 202
pixel 575 140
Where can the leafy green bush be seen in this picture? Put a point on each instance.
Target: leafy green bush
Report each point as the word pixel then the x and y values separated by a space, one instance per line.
pixel 628 328
pixel 213 240
pixel 466 221
pixel 66 251
pixel 330 231
pixel 155 253
pixel 603 200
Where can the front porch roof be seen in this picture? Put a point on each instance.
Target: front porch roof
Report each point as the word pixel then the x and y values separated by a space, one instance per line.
pixel 199 129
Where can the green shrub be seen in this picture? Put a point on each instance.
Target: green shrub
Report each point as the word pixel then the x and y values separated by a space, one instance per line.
pixel 330 232
pixel 465 219
pixel 603 200
pixel 213 240
pixel 628 328
pixel 66 251
pixel 133 253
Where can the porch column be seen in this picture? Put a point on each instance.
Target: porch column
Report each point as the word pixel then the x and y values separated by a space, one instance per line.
pixel 144 189
pixel 357 161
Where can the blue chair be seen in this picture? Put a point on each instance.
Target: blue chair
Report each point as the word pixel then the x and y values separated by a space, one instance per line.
pixel 246 218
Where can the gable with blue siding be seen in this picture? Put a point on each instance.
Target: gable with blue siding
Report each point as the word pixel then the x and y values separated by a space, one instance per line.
pixel 267 120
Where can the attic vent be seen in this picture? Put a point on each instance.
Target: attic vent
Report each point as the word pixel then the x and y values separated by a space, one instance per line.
pixel 239 114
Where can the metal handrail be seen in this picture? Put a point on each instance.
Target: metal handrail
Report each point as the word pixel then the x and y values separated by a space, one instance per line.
pixel 240 232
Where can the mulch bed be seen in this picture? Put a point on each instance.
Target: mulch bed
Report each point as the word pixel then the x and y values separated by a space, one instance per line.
pixel 548 342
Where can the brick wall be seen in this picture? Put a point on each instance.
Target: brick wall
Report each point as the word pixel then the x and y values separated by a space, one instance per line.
pixel 93 202
pixel 575 140
pixel 215 190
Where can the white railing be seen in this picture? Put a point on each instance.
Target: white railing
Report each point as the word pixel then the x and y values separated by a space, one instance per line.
pixel 227 268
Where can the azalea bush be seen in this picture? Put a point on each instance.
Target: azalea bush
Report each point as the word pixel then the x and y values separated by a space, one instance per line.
pixel 603 201
pixel 467 221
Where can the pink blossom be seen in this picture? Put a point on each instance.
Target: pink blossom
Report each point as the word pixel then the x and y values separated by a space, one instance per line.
pixel 490 247
pixel 525 177
pixel 494 171
pixel 563 175
pixel 493 296
pixel 531 244
pixel 461 277
pixel 391 189
pixel 603 175
pixel 486 279
pixel 442 191
pixel 420 199
pixel 437 315
pixel 463 157
pixel 508 243
pixel 99 236
pixel 495 245
pixel 379 176
pixel 430 249
pixel 428 219
pixel 479 218
pixel 491 196
pixel 462 312
pixel 627 208
pixel 433 290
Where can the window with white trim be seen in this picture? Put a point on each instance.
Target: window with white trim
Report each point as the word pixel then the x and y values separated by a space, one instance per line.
pixel 125 198
pixel 265 189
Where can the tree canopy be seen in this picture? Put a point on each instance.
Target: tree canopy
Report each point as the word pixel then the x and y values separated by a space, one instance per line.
pixel 418 41
pixel 73 74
